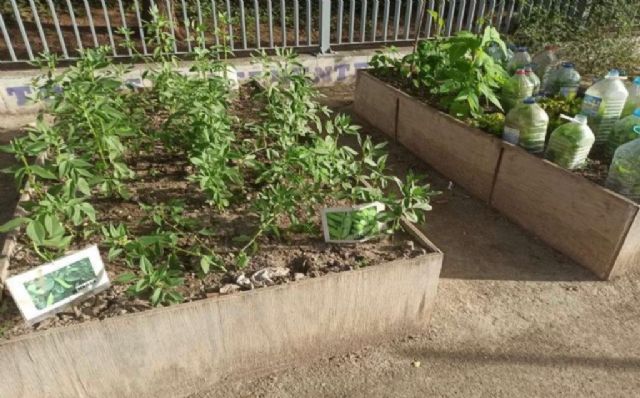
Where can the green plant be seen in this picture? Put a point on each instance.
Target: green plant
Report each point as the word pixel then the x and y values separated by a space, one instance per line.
pixel 160 284
pixel 560 106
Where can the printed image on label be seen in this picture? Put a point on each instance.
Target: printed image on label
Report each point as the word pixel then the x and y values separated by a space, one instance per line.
pixel 511 135
pixel 568 92
pixel 591 105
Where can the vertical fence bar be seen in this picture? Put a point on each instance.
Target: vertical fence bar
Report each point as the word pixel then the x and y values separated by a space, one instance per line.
pixel 325 26
pixel 396 20
pixel 214 11
pixel 141 27
pixel 23 32
pixel 471 13
pixel 74 24
pixel 374 20
pixel 200 24
pixel 461 10
pixel 185 18
pixel 340 20
pixel 492 9
pixel 230 25
pixel 36 18
pixel 243 26
pixel 109 32
pixel 54 15
pixel 450 17
pixel 270 17
pixel 7 39
pixel 407 18
pixel 429 22
pixel 309 41
pixel 385 20
pixel 352 18
pixel 124 21
pixel 296 22
pixel 500 15
pixel 283 22
pixel 510 16
pixel 363 20
pixel 91 26
pixel 256 9
pixel 418 21
pixel 480 19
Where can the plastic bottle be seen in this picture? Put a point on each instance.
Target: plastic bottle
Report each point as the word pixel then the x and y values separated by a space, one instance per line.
pixel 526 125
pixel 623 132
pixel 603 104
pixel 633 101
pixel 566 81
pixel 494 50
pixel 624 173
pixel 516 89
pixel 531 75
pixel 570 144
pixel 544 60
pixel 520 59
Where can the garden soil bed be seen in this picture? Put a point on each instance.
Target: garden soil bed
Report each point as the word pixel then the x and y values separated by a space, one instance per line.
pixel 570 211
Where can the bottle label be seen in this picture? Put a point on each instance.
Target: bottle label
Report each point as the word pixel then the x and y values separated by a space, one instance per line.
pixel 591 105
pixel 511 135
pixel 569 92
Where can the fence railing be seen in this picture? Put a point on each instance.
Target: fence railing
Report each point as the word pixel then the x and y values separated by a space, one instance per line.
pixel 64 27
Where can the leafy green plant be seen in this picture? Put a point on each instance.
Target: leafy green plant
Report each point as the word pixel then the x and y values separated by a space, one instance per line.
pixel 159 284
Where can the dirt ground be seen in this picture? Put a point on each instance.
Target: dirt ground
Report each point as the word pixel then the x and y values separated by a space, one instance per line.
pixel 513 318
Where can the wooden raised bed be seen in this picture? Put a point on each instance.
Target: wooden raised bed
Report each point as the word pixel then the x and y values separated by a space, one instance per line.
pixel 592 225
pixel 175 351
pixel 466 155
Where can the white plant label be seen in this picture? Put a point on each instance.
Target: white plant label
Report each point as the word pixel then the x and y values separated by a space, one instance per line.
pixel 49 288
pixel 352 224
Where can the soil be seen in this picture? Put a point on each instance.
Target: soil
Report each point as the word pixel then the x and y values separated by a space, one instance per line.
pixel 161 177
pixel 513 318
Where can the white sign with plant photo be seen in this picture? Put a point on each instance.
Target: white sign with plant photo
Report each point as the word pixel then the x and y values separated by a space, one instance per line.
pixel 352 224
pixel 49 288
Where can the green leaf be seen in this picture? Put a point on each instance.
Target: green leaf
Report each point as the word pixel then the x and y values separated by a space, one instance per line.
pixel 13 224
pixel 126 277
pixel 43 173
pixel 36 232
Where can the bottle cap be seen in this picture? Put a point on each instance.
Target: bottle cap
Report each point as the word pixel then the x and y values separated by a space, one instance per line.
pixel 613 73
pixel 568 65
pixel 529 100
pixel 520 72
pixel 636 81
pixel 636 112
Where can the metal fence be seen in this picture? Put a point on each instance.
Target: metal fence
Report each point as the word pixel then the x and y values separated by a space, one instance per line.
pixel 65 27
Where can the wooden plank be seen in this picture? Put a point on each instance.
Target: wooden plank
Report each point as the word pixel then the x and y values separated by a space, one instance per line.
pixel 629 255
pixel 174 351
pixel 466 155
pixel 377 103
pixel 570 213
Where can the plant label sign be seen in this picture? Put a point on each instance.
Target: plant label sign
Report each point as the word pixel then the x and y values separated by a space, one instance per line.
pixel 352 224
pixel 49 288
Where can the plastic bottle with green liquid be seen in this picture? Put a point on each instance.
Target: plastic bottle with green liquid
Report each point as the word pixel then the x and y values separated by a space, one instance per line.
pixel 531 75
pixel 624 172
pixel 516 89
pixel 633 100
pixel 570 144
pixel 526 125
pixel 603 103
pixel 520 59
pixel 623 132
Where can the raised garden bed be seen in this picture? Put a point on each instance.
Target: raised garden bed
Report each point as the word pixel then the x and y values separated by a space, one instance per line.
pixel 594 226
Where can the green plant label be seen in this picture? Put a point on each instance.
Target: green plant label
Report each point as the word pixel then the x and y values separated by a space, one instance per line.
pixel 591 105
pixel 58 285
pixel 356 224
pixel 49 288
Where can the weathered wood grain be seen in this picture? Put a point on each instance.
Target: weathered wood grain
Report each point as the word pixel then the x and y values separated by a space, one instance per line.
pixel 570 213
pixel 376 102
pixel 467 156
pixel 629 255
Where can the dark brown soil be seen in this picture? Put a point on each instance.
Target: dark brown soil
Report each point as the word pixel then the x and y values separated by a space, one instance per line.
pixel 161 177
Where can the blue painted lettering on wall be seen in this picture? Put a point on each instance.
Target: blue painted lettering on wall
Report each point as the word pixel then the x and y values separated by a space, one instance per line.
pixel 325 74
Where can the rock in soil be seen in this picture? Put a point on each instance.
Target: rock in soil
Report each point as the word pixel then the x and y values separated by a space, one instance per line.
pixel 229 288
pixel 244 282
pixel 298 276
pixel 266 276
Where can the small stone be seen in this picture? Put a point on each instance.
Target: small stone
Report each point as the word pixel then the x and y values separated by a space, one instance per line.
pixel 265 276
pixel 122 311
pixel 415 364
pixel 244 282
pixel 229 288
pixel 298 276
pixel 409 245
